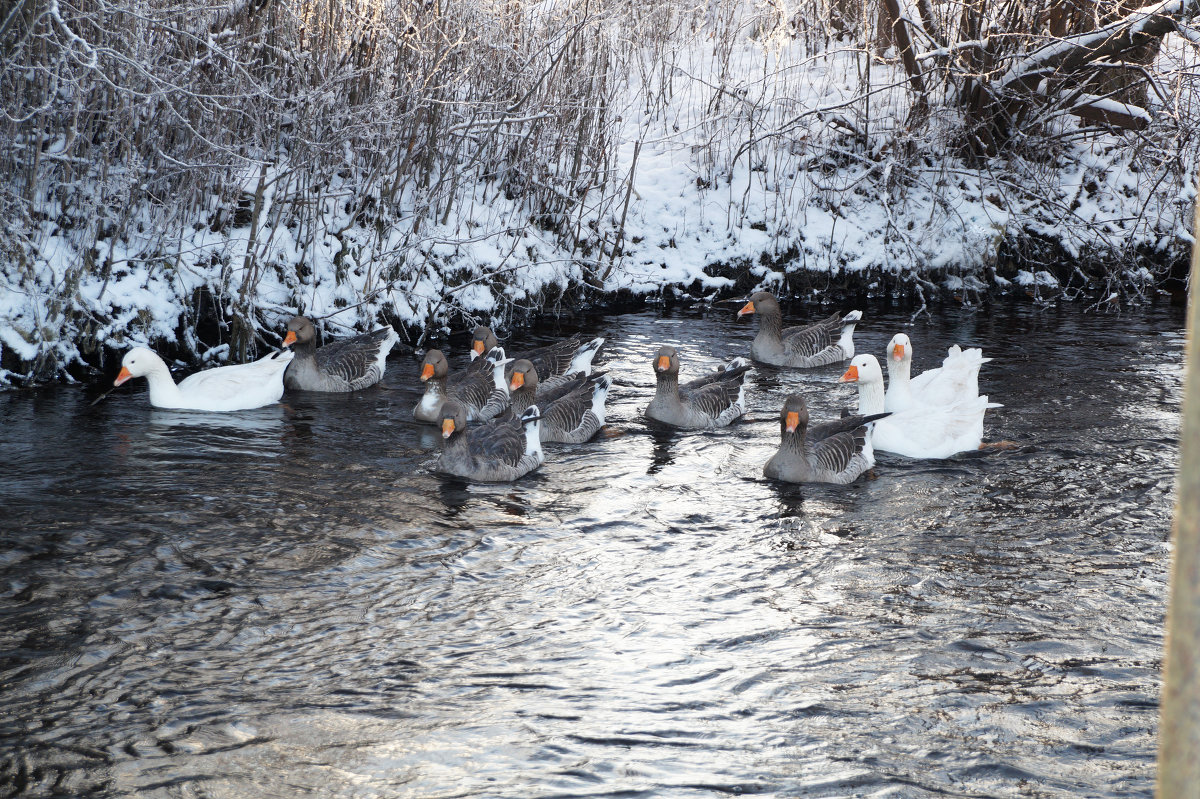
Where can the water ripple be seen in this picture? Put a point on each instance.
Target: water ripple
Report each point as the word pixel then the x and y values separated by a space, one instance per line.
pixel 290 601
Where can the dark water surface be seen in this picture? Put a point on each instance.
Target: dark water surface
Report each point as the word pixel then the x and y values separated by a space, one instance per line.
pixel 287 602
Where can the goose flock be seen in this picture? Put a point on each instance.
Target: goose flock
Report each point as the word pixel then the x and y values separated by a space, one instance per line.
pixel 497 412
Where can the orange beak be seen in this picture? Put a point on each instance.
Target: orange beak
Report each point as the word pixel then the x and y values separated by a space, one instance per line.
pixel 663 363
pixel 850 376
pixel 792 420
pixel 518 380
pixel 122 376
pixel 447 428
pixel 426 372
pixel 290 338
pixel 898 352
pixel 747 308
pixel 477 346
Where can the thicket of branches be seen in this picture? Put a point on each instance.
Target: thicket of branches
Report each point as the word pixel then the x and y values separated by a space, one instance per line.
pixel 357 130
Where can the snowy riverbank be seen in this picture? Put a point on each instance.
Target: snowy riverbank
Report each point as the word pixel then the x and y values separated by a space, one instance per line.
pixel 745 157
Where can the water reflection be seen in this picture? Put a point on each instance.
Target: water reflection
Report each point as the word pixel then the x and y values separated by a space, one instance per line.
pixel 260 420
pixel 662 454
pixel 454 493
pixel 790 498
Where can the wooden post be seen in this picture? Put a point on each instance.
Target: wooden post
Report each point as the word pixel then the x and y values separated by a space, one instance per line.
pixel 1179 726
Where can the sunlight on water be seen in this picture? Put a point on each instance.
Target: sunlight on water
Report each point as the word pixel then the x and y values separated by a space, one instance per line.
pixel 289 601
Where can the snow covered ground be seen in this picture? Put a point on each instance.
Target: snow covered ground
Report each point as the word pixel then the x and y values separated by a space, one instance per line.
pixel 762 156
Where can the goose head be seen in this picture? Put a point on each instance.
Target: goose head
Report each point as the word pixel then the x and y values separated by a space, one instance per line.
pixel 666 362
pixel 434 365
pixel 523 376
pixel 794 415
pixel 899 349
pixel 760 302
pixel 454 419
pixel 482 340
pixel 299 329
pixel 139 362
pixel 864 369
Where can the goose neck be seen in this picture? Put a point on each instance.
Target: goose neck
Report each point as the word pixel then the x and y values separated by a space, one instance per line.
pixel 456 445
pixel 870 397
pixel 791 443
pixel 163 391
pixel 520 399
pixel 305 349
pixel 770 324
pixel 668 388
pixel 898 370
pixel 899 388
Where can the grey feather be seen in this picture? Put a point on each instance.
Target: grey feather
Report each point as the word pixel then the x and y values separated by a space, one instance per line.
pixel 828 341
pixel 832 452
pixel 344 365
pixel 708 402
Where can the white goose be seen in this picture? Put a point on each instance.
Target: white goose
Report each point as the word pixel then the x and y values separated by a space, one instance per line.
pixel 921 431
pixel 225 388
pixel 956 379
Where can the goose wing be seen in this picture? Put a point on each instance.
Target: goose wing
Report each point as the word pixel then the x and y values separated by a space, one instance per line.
pixel 230 381
pixel 730 374
pixel 956 379
pixel 835 453
pixel 559 387
pixel 498 442
pixel 845 424
pixel 810 340
pixel 566 411
pixel 714 399
pixel 473 388
pixel 552 359
pixel 355 359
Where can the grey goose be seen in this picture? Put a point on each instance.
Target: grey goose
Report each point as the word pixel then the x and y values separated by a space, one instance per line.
pixel 705 403
pixel 239 387
pixel 482 393
pixel 344 365
pixel 828 341
pixel 572 411
pixel 831 452
pixel 497 451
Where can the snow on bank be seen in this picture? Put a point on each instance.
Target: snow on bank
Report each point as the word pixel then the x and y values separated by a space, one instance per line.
pixel 752 159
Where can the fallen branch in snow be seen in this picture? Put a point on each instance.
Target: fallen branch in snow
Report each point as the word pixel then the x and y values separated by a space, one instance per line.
pixel 1108 111
pixel 1072 53
pixel 1007 75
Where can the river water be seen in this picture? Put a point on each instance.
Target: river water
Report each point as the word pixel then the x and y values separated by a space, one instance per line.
pixel 288 602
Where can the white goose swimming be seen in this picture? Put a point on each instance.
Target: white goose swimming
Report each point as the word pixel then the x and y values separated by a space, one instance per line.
pixel 921 431
pixel 225 388
pixel 956 379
